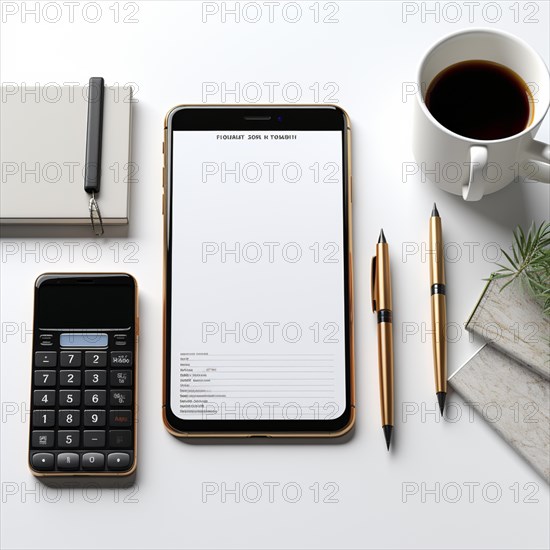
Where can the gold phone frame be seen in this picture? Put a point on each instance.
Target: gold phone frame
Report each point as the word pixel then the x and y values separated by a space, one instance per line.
pixel 165 174
pixel 106 473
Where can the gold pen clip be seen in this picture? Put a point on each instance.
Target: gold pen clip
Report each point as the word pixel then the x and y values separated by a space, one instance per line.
pixel 373 283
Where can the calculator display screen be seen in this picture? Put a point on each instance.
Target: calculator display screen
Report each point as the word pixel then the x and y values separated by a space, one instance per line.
pixel 93 302
pixel 83 340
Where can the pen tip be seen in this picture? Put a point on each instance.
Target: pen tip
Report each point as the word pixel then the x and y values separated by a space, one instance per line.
pixel 435 212
pixel 441 395
pixel 387 434
pixel 382 238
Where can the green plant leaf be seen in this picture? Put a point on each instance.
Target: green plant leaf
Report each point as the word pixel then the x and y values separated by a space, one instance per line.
pixel 529 261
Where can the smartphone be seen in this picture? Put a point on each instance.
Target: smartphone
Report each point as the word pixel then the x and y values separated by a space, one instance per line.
pixel 84 375
pixel 258 318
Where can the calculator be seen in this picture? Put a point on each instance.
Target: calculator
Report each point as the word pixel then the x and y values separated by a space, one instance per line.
pixel 83 399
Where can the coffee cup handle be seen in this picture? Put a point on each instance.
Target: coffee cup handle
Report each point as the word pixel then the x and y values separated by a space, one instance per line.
pixel 539 153
pixel 473 189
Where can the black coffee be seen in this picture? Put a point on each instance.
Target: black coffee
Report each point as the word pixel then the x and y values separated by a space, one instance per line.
pixel 480 100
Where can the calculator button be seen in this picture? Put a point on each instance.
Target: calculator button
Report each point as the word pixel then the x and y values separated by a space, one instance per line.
pixel 46 340
pixel 94 439
pixel 45 358
pixel 121 359
pixel 70 358
pixel 120 439
pixel 69 378
pixel 42 439
pixel 121 398
pixel 44 378
pixel 42 461
pixel 95 378
pixel 120 339
pixel 120 419
pixel 82 405
pixel 68 439
pixel 95 398
pixel 121 378
pixel 93 461
pixel 43 398
pixel 69 419
pixel 118 461
pixel 95 358
pixel 94 418
pixel 67 461
pixel 43 419
pixel 69 398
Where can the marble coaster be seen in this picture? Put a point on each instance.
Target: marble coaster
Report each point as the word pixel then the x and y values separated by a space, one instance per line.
pixel 514 400
pixel 511 320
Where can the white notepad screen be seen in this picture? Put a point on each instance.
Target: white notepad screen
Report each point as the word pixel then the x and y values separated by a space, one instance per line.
pixel 257 327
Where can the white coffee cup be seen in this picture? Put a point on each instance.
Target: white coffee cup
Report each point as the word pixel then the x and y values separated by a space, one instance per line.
pixel 471 167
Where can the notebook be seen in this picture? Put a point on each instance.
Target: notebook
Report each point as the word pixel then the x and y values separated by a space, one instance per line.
pixel 519 401
pixel 510 319
pixel 42 152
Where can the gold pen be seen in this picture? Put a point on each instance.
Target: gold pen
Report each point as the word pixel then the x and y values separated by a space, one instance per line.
pixel 382 305
pixel 439 307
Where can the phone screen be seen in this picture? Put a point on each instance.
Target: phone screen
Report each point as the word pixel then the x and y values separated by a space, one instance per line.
pixel 258 314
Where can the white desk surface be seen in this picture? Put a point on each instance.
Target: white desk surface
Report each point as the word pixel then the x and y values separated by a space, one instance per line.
pixel 376 499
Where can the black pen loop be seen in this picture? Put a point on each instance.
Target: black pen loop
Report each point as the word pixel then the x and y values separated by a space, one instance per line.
pixel 95 216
